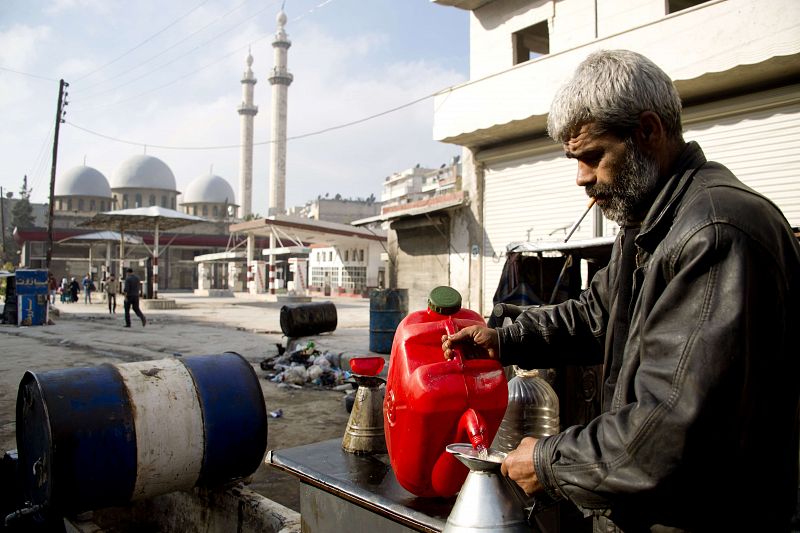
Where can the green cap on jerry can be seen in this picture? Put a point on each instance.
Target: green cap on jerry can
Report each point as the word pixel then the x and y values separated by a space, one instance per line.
pixel 444 300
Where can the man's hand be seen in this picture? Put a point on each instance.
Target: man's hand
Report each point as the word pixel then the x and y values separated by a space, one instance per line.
pixel 467 339
pixel 518 466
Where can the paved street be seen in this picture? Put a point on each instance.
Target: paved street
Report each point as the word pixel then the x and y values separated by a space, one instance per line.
pixel 85 335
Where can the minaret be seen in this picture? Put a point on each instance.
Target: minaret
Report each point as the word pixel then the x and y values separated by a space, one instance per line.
pixel 247 111
pixel 280 79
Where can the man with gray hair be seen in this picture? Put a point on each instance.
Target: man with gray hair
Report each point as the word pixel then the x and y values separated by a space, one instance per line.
pixel 693 320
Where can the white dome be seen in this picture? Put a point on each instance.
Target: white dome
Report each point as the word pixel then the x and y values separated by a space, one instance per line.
pixel 209 189
pixel 82 181
pixel 143 172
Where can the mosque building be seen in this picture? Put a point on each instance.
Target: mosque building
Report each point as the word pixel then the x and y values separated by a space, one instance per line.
pixel 139 181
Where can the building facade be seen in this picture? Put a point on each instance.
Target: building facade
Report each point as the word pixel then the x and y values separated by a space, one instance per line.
pixel 417 212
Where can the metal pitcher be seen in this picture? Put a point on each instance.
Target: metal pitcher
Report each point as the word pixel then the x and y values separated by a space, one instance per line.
pixel 487 501
pixel 364 434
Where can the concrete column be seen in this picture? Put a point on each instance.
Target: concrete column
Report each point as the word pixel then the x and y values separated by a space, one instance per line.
pixel 250 285
pixel 271 263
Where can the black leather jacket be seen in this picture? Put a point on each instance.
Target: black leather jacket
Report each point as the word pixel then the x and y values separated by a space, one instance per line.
pixel 701 432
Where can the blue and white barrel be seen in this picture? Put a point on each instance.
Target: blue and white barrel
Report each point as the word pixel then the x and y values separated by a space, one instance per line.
pixel 100 436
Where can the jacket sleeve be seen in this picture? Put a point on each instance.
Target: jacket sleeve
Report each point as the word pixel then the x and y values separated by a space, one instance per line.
pixel 692 368
pixel 570 333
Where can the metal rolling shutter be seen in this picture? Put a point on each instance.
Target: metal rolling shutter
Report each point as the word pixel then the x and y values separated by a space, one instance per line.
pixel 532 189
pixel 758 138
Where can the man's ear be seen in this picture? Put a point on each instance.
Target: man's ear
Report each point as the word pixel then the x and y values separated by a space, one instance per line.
pixel 650 134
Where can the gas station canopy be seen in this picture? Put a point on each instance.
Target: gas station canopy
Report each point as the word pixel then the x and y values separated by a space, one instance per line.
pixel 306 230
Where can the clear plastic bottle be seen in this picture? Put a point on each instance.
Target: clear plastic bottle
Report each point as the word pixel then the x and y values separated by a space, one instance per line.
pixel 532 410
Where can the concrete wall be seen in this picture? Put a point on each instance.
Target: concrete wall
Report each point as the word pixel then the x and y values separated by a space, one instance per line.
pixel 419 250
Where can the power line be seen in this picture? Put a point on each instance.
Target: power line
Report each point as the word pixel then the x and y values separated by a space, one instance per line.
pixel 151 58
pixel 27 74
pixel 264 36
pixel 39 166
pixel 176 80
pixel 156 34
pixel 261 143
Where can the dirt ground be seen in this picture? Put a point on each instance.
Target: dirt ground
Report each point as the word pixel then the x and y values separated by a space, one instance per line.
pixel 87 335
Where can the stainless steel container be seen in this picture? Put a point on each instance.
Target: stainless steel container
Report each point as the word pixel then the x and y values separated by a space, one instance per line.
pixel 532 410
pixel 487 501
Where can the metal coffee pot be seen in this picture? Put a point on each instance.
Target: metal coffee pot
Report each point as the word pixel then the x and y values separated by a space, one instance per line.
pixel 487 501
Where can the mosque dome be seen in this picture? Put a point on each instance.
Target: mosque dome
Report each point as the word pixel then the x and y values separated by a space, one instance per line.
pixel 208 189
pixel 143 172
pixel 82 181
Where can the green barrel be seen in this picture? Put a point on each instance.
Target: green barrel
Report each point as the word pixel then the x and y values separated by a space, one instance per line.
pixel 387 307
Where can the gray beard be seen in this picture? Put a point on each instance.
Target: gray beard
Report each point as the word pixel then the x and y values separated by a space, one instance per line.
pixel 636 179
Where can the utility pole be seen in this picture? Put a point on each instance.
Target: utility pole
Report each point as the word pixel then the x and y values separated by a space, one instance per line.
pixel 60 112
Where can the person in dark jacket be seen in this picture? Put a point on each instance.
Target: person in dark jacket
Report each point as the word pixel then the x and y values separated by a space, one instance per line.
pixel 694 319
pixel 74 288
pixel 130 290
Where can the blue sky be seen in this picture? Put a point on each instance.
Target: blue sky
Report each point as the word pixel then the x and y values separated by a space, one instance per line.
pixel 168 73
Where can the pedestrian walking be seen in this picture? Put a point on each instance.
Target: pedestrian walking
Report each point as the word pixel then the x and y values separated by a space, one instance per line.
pixel 52 287
pixel 88 286
pixel 111 294
pixel 74 288
pixel 131 291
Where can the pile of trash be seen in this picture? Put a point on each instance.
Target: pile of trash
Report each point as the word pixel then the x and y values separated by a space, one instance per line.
pixel 306 365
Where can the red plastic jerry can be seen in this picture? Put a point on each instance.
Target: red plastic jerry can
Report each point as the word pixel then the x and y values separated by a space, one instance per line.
pixel 431 402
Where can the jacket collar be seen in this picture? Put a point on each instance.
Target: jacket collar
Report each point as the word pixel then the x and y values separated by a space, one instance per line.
pixel 659 218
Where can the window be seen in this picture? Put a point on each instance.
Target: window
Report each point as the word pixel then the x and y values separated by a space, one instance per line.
pixel 124 201
pixel 679 5
pixel 194 210
pixel 102 205
pixel 216 211
pixel 347 255
pixel 322 276
pixel 92 205
pixel 138 200
pixel 361 255
pixel 69 204
pixel 152 200
pixel 80 204
pixel 205 210
pixel 163 201
pixel 354 278
pixel 172 202
pixel 330 256
pixel 530 43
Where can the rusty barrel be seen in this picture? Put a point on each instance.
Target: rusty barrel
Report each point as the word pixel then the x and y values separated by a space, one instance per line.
pixel 101 436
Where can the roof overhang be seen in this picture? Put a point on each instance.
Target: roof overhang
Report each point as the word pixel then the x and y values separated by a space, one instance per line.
pixel 306 230
pixel 142 218
pixel 437 203
pixel 284 250
pixel 463 4
pixel 596 247
pixel 103 236
pixel 728 57
pixel 220 257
